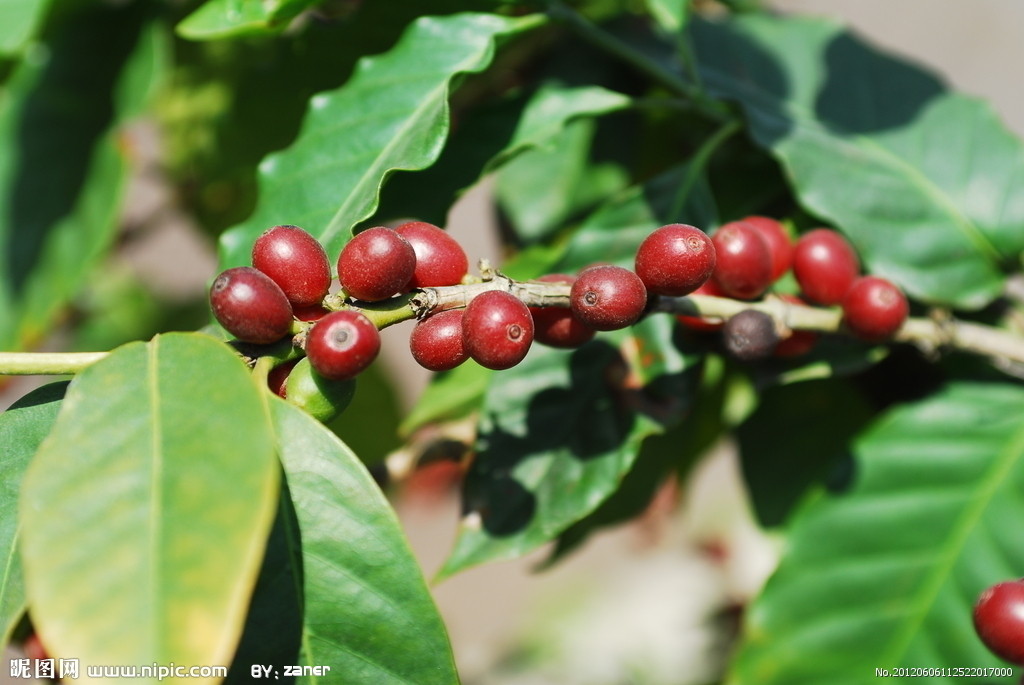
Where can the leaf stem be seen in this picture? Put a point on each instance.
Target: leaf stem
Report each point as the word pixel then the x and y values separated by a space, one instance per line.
pixel 46 363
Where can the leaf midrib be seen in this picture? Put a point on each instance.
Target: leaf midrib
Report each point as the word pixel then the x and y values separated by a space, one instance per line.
pixel 156 478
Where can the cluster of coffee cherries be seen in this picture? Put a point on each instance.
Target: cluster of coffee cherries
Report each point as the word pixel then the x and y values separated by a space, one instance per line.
pixel 753 253
pixel 291 277
pixel 999 620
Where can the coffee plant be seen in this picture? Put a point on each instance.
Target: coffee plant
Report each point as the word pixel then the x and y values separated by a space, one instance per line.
pixel 718 222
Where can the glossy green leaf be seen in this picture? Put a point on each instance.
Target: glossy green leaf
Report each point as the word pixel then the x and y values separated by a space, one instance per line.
pixel 61 164
pixel 885 574
pixel 798 436
pixel 228 18
pixel 22 429
pixel 146 511
pixel 924 181
pixel 18 22
pixel 392 114
pixel 560 431
pixel 368 613
pixel 450 395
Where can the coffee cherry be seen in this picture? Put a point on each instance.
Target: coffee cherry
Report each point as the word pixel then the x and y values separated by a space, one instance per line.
pixel 607 298
pixel 797 343
pixel 497 330
pixel 278 377
pixel 436 341
pixel 675 260
pixel 295 261
pixel 558 326
pixel 779 244
pixel 250 306
pixel 322 398
pixel 825 266
pixel 744 266
pixel 874 309
pixel 750 335
pixel 376 264
pixel 999 620
pixel 440 260
pixel 313 312
pixel 342 344
pixel 698 323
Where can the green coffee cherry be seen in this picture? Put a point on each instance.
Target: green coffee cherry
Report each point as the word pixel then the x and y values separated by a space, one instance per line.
pixel 324 399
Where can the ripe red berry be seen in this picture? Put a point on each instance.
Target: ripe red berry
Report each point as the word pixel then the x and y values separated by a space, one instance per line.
pixel 342 344
pixel 607 298
pixel 698 323
pixel 558 326
pixel 497 330
pixel 675 260
pixel 436 341
pixel 779 244
pixel 874 309
pixel 744 267
pixel 295 261
pixel 313 312
pixel 376 264
pixel 999 620
pixel 440 260
pixel 797 343
pixel 278 377
pixel 250 306
pixel 825 266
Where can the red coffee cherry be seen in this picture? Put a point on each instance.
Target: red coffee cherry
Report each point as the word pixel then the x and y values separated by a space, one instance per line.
pixel 607 298
pixel 874 308
pixel 797 343
pixel 750 335
pixel 744 267
pixel 312 312
pixel 376 264
pixel 295 261
pixel 250 306
pixel 999 620
pixel 278 377
pixel 342 344
pixel 779 244
pixel 698 323
pixel 675 260
pixel 497 330
pixel 558 326
pixel 436 341
pixel 825 266
pixel 440 260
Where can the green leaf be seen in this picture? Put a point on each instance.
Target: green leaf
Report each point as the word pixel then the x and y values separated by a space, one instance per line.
pixel 18 22
pixel 895 564
pixel 61 163
pixel 22 428
pixel 392 114
pixel 152 498
pixel 368 613
pixel 671 15
pixel 560 431
pixel 233 18
pixel 450 395
pixel 797 437
pixel 859 133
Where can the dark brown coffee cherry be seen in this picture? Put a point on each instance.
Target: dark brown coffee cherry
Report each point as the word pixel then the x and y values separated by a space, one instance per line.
pixel 779 244
pixel 250 306
pixel 675 260
pixel 744 266
pixel 342 344
pixel 558 326
pixel 874 308
pixel 376 264
pixel 750 335
pixel 999 620
pixel 436 341
pixel 497 330
pixel 825 266
pixel 440 260
pixel 607 298
pixel 295 261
